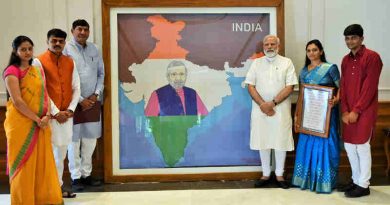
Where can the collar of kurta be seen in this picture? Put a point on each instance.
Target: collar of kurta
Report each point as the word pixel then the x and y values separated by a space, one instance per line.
pixel 79 46
pixel 53 55
pixel 359 53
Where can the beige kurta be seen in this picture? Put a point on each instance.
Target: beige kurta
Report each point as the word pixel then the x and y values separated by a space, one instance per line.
pixel 270 76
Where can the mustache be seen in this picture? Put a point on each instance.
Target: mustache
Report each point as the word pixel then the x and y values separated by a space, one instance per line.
pixel 177 84
pixel 59 47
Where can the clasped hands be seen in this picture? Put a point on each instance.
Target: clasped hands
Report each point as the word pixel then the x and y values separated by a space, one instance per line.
pixel 63 116
pixel 267 108
pixel 89 102
pixel 350 117
pixel 43 121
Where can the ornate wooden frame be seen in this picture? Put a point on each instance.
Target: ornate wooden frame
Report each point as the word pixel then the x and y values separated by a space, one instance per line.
pixel 106 6
pixel 300 108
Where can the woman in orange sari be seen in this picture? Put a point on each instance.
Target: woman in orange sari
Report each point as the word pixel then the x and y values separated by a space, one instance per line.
pixel 30 164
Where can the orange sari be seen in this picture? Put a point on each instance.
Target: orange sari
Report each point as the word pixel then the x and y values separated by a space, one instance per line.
pixel 30 164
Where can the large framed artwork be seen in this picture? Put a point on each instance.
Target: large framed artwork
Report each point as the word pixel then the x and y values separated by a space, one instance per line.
pixel 176 107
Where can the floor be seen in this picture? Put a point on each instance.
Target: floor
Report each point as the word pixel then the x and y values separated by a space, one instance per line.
pixel 216 193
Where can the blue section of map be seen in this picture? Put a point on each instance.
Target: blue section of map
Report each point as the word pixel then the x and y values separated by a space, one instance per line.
pixel 221 138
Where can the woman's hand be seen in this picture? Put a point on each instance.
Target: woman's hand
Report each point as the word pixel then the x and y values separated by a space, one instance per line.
pixel 296 124
pixel 334 101
pixel 44 121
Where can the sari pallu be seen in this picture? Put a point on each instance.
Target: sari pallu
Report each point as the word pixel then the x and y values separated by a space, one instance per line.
pixel 317 159
pixel 30 162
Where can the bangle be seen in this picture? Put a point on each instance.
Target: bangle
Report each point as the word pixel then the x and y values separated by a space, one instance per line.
pixel 274 102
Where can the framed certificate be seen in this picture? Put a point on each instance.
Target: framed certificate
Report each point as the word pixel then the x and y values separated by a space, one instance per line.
pixel 313 110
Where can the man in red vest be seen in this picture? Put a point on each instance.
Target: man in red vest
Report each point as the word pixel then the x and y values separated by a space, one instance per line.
pixel 63 85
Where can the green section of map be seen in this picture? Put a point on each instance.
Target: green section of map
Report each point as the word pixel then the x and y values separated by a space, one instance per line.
pixel 170 135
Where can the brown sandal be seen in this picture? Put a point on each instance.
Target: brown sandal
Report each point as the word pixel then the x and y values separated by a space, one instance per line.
pixel 67 194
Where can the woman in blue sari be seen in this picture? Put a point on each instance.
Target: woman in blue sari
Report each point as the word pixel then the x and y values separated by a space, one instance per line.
pixel 317 158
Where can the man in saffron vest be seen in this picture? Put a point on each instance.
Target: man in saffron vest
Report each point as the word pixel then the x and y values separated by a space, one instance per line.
pixel 175 98
pixel 63 85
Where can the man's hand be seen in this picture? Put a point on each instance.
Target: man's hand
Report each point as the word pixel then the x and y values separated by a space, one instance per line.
pixel 87 103
pixel 69 113
pixel 93 97
pixel 353 117
pixel 345 117
pixel 268 108
pixel 61 117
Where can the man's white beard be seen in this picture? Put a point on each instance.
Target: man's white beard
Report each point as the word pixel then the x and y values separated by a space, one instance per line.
pixel 177 85
pixel 271 54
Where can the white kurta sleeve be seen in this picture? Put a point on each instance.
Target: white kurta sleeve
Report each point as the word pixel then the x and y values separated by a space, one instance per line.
pixel 100 77
pixel 251 75
pixel 291 77
pixel 75 89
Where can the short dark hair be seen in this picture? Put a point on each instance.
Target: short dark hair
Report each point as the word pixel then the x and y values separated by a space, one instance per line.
pixel 55 32
pixel 354 29
pixel 79 22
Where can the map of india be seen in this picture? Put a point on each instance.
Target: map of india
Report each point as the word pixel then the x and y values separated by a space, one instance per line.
pixel 182 100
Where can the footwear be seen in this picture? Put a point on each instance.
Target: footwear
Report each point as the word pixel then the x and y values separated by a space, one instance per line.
pixel 262 182
pixel 347 187
pixel 76 185
pixel 67 193
pixel 283 184
pixel 90 181
pixel 357 192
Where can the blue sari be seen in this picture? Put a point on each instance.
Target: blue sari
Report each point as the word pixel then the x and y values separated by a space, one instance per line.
pixel 317 159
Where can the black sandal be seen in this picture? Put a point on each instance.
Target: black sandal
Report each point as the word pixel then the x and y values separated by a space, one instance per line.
pixel 67 194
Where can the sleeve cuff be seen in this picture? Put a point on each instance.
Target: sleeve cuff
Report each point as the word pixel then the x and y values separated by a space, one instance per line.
pixel 356 110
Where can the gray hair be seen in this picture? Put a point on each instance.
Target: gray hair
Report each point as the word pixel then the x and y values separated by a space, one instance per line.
pixel 175 63
pixel 272 36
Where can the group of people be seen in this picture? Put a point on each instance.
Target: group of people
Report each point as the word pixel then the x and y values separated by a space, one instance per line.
pixel 270 81
pixel 45 94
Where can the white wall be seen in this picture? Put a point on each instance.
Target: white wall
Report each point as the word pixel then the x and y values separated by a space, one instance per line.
pixel 326 20
pixel 304 20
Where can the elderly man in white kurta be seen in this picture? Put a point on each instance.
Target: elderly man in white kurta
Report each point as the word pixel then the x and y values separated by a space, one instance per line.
pixel 271 80
pixel 91 71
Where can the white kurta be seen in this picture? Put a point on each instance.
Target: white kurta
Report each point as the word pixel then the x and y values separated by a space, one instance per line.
pixel 270 76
